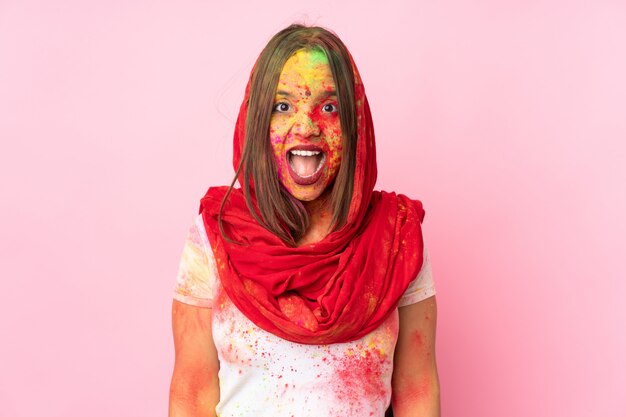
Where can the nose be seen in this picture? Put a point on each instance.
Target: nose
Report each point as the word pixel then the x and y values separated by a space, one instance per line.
pixel 305 126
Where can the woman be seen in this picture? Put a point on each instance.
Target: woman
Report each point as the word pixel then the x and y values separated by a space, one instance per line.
pixel 304 293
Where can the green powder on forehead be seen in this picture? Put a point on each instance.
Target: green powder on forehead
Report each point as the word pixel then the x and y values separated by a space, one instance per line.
pixel 318 56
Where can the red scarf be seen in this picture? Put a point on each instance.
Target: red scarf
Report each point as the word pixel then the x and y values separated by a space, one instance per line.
pixel 338 289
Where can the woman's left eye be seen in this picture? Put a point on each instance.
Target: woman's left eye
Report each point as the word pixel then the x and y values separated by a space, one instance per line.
pixel 329 108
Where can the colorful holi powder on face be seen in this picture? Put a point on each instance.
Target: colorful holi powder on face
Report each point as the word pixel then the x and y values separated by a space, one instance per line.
pixel 306 113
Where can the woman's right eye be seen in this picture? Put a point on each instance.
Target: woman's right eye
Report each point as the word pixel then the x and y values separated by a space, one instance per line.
pixel 282 107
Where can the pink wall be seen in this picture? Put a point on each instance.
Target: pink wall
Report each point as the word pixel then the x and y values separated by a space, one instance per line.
pixel 507 119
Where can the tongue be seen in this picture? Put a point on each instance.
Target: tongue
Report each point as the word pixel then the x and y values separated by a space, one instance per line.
pixel 304 165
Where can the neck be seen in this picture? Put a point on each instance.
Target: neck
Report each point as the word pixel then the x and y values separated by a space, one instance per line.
pixel 319 210
pixel 320 216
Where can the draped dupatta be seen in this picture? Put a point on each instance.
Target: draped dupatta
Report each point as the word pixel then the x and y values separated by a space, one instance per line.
pixel 338 289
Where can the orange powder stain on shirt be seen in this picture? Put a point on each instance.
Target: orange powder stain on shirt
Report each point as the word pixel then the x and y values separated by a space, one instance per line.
pixel 294 308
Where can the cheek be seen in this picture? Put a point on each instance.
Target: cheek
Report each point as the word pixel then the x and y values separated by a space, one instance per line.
pixel 277 140
pixel 334 156
pixel 334 143
pixel 330 126
pixel 275 136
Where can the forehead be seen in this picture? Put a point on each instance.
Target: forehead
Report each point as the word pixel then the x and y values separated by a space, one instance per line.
pixel 307 67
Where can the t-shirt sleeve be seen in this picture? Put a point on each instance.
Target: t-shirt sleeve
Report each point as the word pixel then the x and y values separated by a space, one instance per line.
pixel 422 287
pixel 195 281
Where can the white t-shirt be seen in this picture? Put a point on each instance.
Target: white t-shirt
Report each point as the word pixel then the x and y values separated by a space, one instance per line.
pixel 264 375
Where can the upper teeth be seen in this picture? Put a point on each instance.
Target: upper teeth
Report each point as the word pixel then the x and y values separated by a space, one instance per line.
pixel 300 152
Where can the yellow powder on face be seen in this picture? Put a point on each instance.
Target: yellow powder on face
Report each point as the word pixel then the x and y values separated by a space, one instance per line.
pixel 306 89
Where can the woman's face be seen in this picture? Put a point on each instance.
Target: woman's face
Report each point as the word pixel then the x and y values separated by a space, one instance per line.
pixel 305 132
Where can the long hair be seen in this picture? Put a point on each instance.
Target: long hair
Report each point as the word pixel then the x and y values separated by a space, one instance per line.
pixel 278 211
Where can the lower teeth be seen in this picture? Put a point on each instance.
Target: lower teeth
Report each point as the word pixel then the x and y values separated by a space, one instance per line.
pixel 319 166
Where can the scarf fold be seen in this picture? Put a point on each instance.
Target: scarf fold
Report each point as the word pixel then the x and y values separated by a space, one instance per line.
pixel 336 290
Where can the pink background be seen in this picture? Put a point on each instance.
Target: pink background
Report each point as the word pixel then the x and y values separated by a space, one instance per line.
pixel 507 119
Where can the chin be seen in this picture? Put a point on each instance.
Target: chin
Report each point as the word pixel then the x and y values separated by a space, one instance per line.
pixel 309 193
pixel 306 195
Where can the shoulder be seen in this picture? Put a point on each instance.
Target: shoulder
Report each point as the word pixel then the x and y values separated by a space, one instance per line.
pixel 197 272
pixel 212 199
pixel 413 207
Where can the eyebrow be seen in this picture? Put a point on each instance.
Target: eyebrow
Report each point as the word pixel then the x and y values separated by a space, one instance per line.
pixel 326 94
pixel 283 93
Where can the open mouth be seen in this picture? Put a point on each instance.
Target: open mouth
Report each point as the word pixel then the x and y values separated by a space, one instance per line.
pixel 305 164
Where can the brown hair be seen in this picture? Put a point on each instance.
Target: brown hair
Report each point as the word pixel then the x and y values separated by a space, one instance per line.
pixel 278 211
